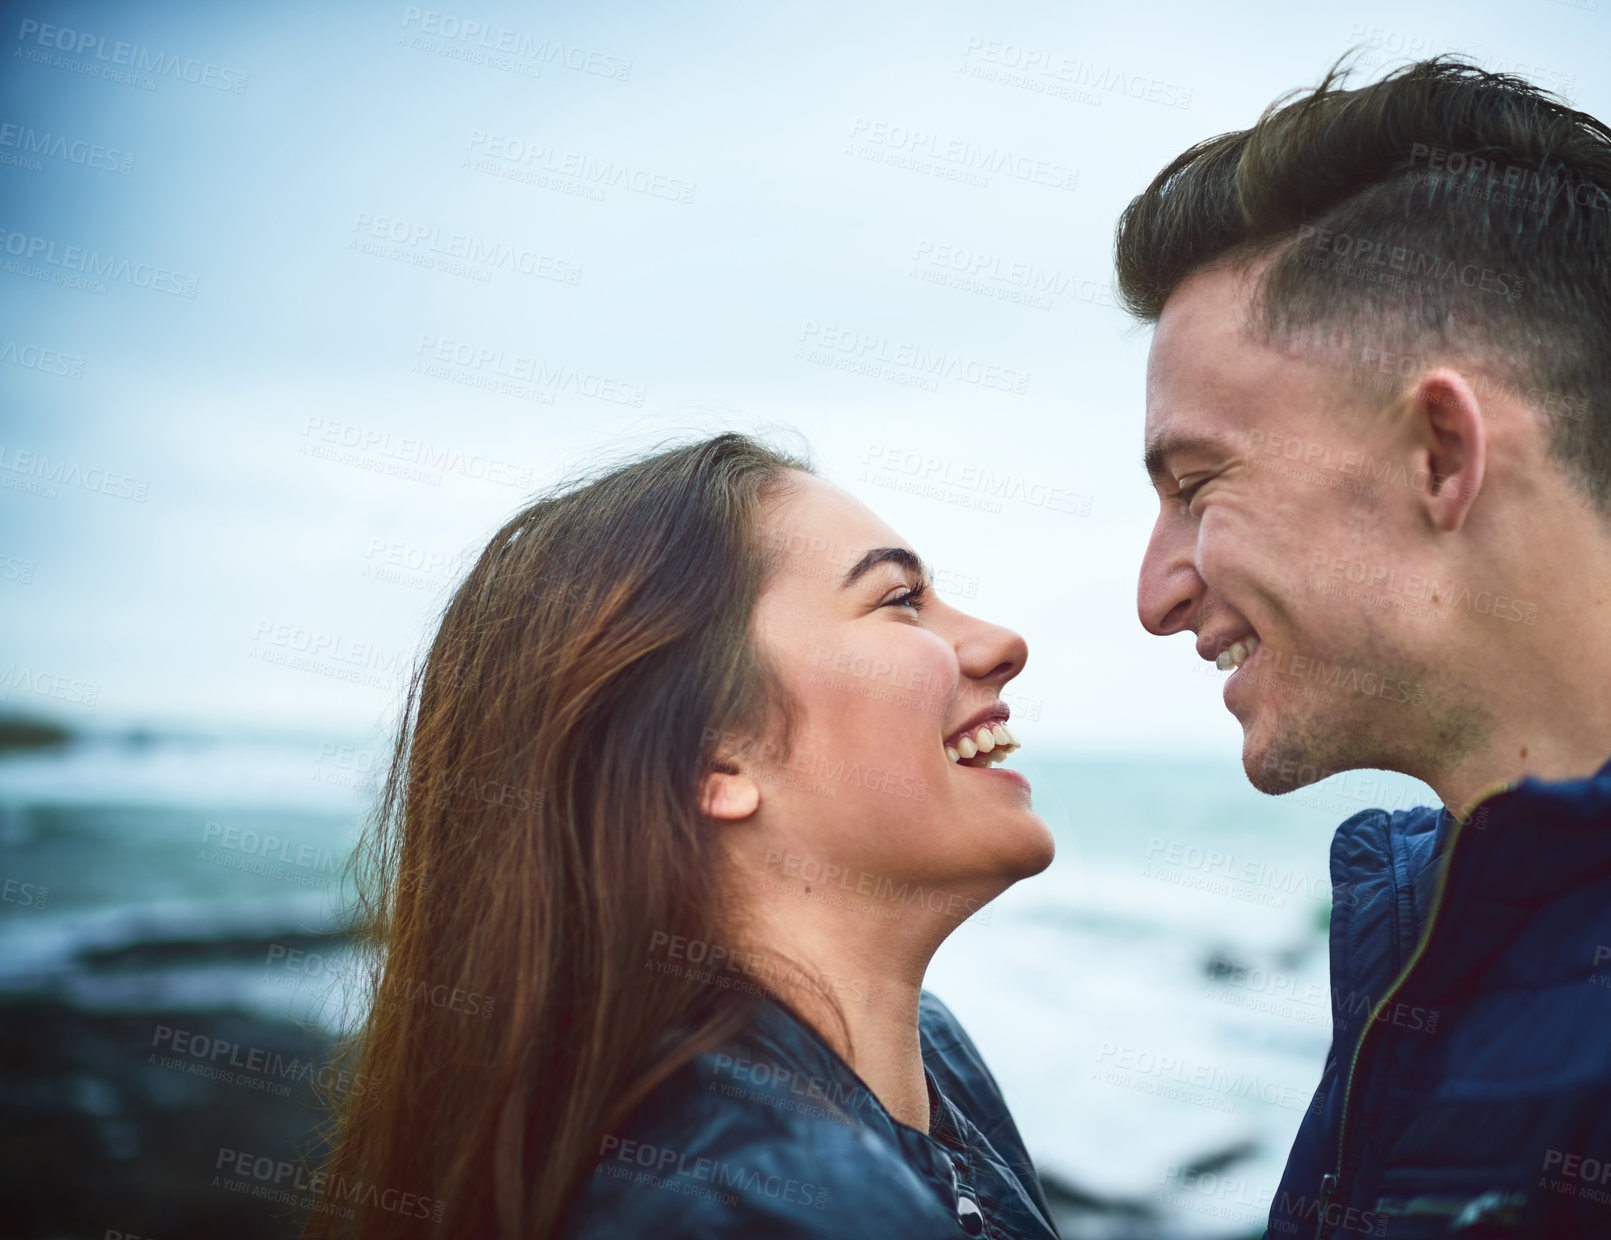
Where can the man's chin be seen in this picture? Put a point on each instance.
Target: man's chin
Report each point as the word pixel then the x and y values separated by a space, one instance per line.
pixel 1276 765
pixel 1269 781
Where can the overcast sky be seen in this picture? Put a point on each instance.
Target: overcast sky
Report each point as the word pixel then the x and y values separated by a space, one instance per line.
pixel 257 434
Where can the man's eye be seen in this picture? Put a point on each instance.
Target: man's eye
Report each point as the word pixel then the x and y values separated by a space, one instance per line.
pixel 1187 488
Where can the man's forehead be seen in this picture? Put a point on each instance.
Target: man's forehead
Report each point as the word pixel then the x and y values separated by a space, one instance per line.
pixel 1216 298
pixel 1202 323
pixel 1203 363
pixel 1200 391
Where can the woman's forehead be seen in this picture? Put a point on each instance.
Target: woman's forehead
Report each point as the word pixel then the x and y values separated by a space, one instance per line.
pixel 811 505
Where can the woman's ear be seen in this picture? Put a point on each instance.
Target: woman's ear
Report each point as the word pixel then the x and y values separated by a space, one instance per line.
pixel 725 792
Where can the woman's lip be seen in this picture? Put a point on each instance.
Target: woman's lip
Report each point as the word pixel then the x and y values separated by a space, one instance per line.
pixel 1003 771
pixel 999 713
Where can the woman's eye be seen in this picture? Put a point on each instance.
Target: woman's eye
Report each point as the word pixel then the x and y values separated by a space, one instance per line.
pixel 912 598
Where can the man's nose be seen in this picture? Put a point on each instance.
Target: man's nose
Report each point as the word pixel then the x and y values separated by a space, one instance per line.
pixel 1169 588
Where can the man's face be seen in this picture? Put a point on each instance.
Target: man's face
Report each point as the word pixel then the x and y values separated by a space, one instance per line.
pixel 1259 456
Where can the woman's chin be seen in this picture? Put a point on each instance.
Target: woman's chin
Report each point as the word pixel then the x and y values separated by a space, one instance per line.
pixel 1021 848
pixel 1039 848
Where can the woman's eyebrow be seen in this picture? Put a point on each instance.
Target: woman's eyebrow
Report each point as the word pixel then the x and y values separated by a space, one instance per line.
pixel 903 556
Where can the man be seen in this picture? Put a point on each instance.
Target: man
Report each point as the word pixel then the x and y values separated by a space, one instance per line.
pixel 1379 425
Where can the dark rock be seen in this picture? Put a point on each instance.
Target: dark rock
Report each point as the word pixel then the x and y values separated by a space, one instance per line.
pixel 19 732
pixel 112 1122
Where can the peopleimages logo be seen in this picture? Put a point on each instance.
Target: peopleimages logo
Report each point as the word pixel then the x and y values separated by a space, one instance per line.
pixel 1524 183
pixel 45 361
pixel 971 479
pixel 829 344
pixel 1333 1214
pixel 426 245
pixel 251 1066
pixel 1016 280
pixel 92 263
pixel 912 147
pixel 465 32
pixel 28 142
pixel 1046 72
pixel 1369 255
pixel 491 365
pixel 1392 579
pixel 132 56
pixel 511 153
pixel 659 1163
pixel 381 442
pixel 908 895
pixel 58 469
pixel 287 1183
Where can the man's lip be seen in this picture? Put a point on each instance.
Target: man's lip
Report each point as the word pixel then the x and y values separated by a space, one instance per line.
pixel 997 712
pixel 1231 686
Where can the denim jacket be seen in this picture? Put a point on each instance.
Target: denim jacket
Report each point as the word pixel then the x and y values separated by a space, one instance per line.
pixel 776 1136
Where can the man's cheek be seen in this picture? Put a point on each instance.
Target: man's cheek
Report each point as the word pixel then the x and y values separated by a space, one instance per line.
pixel 1243 558
pixel 1223 554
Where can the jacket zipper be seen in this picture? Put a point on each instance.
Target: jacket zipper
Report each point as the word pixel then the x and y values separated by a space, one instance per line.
pixel 1331 1182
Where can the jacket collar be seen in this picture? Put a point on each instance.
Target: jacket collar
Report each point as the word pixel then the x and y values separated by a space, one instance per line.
pixel 794 1039
pixel 1538 838
pixel 1521 849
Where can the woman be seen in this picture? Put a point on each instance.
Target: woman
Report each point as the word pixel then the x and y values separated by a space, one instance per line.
pixel 696 777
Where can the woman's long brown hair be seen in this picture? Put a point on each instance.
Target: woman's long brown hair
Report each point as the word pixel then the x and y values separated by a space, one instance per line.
pixel 537 829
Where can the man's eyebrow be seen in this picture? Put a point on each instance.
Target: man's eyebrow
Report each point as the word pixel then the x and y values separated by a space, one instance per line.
pixel 1165 444
pixel 885 555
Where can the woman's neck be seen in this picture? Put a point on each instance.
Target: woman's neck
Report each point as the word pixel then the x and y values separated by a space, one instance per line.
pixel 873 974
pixel 888 1052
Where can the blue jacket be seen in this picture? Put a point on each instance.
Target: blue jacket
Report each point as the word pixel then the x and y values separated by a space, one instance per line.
pixel 778 1137
pixel 1468 1087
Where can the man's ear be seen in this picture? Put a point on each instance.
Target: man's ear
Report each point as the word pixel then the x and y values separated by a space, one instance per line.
pixel 725 792
pixel 1453 450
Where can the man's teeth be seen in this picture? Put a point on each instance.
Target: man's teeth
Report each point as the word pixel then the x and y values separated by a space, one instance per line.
pixel 995 740
pixel 1236 654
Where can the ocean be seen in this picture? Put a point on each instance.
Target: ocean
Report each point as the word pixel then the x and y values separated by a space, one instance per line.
pixel 1155 1005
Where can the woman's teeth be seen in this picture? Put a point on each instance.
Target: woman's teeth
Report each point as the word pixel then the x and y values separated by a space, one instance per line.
pixel 1236 654
pixel 995 740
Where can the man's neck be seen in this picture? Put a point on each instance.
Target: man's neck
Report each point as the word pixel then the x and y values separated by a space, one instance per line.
pixel 1540 696
pixel 1549 756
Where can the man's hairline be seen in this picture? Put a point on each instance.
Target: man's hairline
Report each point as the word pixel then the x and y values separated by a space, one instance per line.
pixel 1251 262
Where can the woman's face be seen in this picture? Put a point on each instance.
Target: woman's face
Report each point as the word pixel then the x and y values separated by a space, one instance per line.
pixel 884 677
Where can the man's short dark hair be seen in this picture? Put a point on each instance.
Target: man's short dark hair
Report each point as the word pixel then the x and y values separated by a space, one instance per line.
pixel 1443 208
